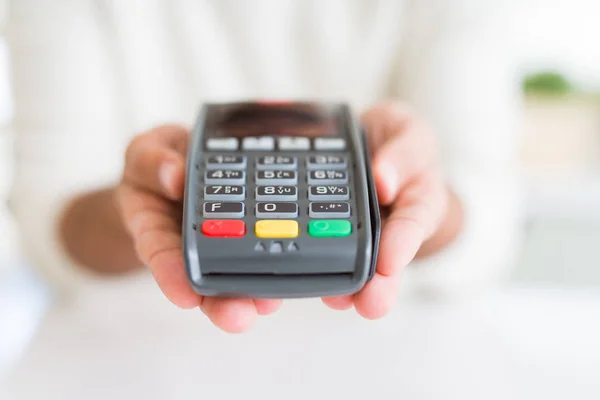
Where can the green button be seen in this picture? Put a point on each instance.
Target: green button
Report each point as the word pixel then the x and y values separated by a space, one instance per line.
pixel 329 228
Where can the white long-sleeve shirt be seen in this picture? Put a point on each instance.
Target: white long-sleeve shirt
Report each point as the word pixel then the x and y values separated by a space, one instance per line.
pixel 90 74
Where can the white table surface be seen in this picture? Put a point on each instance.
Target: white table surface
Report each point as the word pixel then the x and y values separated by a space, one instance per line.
pixel 519 343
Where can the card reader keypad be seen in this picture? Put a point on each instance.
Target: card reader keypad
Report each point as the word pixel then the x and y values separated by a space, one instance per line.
pixel 265 189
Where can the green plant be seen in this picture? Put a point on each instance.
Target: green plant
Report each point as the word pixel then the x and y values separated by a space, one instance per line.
pixel 547 83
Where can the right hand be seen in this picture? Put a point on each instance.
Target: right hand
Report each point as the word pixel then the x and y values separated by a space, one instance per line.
pixel 149 199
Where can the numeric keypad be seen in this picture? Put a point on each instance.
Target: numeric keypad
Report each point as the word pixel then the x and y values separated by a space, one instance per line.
pixel 281 179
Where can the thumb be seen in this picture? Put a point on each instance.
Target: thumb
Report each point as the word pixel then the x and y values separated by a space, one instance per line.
pixel 155 161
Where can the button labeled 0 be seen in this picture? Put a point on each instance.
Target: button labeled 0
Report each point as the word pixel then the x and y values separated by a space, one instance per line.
pixel 276 210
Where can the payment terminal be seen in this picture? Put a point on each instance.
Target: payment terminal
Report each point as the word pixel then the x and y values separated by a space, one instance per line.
pixel 279 201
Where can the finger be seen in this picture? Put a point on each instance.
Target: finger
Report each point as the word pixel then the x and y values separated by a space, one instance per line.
pixel 230 315
pixel 383 120
pixel 157 240
pixel 137 208
pixel 402 143
pixel 161 251
pixel 414 218
pixel 267 306
pixel 400 159
pixel 175 137
pixel 340 303
pixel 378 296
pixel 155 161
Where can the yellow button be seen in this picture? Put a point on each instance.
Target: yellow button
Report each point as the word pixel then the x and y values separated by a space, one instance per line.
pixel 276 229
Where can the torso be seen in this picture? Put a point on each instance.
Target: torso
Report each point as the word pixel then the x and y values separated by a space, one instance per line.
pixel 178 54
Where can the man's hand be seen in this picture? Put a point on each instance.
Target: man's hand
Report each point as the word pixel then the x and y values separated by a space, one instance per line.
pixel 150 201
pixel 421 214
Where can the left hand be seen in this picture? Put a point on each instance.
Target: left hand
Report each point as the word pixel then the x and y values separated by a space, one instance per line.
pixel 414 199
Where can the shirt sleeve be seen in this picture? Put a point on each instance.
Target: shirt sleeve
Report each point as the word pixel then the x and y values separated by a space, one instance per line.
pixel 458 70
pixel 67 125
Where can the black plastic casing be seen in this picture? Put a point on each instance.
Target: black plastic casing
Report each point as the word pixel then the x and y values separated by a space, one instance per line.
pixel 319 268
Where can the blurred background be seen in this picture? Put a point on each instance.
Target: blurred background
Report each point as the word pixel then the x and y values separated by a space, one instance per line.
pixel 550 311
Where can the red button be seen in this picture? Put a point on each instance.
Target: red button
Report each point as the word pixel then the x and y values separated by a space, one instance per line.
pixel 224 228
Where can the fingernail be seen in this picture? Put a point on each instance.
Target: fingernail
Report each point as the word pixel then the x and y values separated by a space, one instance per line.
pixel 165 175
